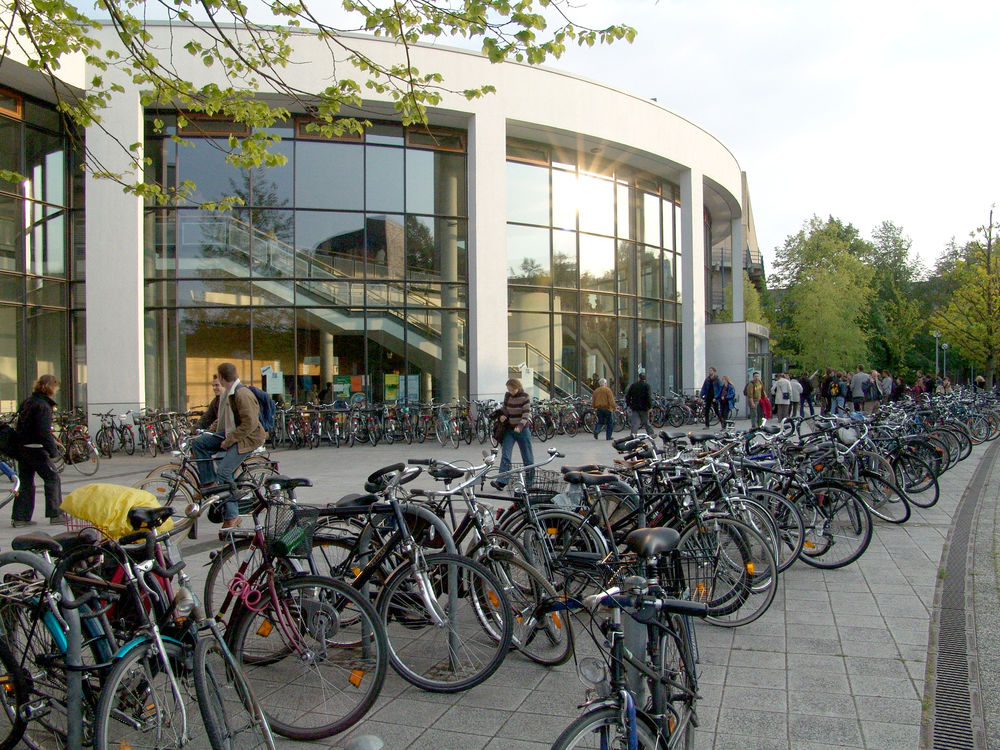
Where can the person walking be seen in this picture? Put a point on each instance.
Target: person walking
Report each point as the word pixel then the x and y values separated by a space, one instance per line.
pixel 603 401
pixel 807 395
pixel 726 397
pixel 781 392
pixel 886 385
pixel 754 391
pixel 515 413
pixel 237 431
pixel 795 399
pixel 639 400
pixel 37 447
pixel 711 392
pixel 858 381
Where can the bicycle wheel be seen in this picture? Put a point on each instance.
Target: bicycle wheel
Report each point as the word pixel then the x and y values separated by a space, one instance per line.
pixel 729 567
pixel 677 689
pixel 13 695
pixel 543 635
pixel 838 525
pixel 152 441
pixel 127 438
pixel 448 622
pixel 324 638
pixel 454 433
pixel 227 705
pixel 917 478
pixel 104 442
pixel 791 529
pixel 139 707
pixel 604 728
pixel 167 491
pixel 884 500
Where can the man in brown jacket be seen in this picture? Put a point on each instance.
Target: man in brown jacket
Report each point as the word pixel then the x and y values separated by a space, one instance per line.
pixel 603 401
pixel 237 431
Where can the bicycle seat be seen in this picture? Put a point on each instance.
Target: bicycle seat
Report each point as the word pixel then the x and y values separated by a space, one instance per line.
pixel 446 473
pixel 586 468
pixel 288 483
pixel 355 498
pixel 70 540
pixel 702 437
pixel 150 518
pixel 578 477
pixel 648 542
pixel 676 435
pixel 770 429
pixel 623 443
pixel 37 541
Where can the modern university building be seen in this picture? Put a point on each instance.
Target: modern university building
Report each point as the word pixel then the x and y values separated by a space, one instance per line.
pixel 560 229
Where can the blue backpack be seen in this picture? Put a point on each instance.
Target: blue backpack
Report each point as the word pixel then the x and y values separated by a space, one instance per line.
pixel 267 407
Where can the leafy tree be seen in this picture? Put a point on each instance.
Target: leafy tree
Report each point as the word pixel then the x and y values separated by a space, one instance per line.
pixel 970 320
pixel 819 311
pixel 894 316
pixel 753 303
pixel 251 56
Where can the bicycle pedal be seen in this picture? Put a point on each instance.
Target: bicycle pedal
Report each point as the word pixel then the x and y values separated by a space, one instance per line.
pixel 34 710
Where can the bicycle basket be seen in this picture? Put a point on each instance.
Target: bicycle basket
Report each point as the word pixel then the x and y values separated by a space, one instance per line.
pixel 289 529
pixel 847 435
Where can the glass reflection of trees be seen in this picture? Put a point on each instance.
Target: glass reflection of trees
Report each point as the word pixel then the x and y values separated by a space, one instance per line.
pixel 602 230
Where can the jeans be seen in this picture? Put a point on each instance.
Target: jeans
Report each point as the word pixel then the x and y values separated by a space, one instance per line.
pixel 36 461
pixel 724 411
pixel 712 405
pixel 523 440
pixel 203 449
pixel 808 400
pixel 838 405
pixel 638 419
pixel 756 415
pixel 604 418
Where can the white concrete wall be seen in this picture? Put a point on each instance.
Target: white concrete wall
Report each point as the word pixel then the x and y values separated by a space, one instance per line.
pixel 726 351
pixel 529 100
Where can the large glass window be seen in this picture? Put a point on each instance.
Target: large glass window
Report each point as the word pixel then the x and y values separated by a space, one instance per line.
pixel 348 265
pixel 602 229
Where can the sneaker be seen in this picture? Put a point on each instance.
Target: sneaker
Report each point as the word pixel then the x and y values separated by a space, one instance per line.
pixel 232 523
pixel 18 524
pixel 59 520
pixel 497 485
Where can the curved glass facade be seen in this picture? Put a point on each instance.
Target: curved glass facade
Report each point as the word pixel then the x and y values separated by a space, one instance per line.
pixel 38 228
pixel 346 265
pixel 591 272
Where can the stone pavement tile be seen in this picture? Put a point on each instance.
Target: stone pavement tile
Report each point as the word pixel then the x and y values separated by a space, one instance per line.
pixel 852 600
pixel 832 729
pixel 501 697
pixel 708 717
pixel 890 687
pixel 872 635
pixel 417 694
pixel 745 642
pixel 813 629
pixel 394 735
pixel 813 646
pixel 763 659
pixel 520 673
pixel 711 674
pixel 917 669
pixel 857 665
pixel 821 703
pixel 855 620
pixel 743 742
pixel 807 594
pixel 442 740
pixel 801 745
pixel 875 650
pixel 713 637
pixel 912 653
pixel 563 702
pixel 882 736
pixel 505 743
pixel 484 721
pixel 754 698
pixel 881 587
pixel 773 679
pixel 413 713
pixel 709 694
pixel 716 656
pixel 891 710
pixel 536 727
pixel 818 680
pixel 802 615
pixel 816 663
pixel 753 723
pixel 703 739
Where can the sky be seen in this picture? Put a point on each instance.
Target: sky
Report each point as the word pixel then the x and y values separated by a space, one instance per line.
pixel 867 111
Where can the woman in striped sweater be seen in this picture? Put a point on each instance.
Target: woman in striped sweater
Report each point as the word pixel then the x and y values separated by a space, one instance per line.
pixel 516 415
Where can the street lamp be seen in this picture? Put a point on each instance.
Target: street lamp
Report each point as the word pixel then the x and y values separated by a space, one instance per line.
pixel 937 344
pixel 944 348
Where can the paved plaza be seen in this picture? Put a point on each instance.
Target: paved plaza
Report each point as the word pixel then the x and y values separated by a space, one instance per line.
pixel 839 660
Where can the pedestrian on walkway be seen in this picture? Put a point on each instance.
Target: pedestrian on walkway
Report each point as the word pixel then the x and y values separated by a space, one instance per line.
pixel 515 413
pixel 754 391
pixel 603 401
pixel 639 400
pixel 796 396
pixel 781 396
pixel 726 398
pixel 807 394
pixel 711 392
pixel 37 449
pixel 858 381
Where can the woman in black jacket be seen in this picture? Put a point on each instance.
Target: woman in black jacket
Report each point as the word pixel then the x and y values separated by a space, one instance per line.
pixel 37 446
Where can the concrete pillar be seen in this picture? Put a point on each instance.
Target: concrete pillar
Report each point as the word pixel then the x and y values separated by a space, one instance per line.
pixel 488 252
pixel 737 267
pixel 114 289
pixel 325 358
pixel 446 183
pixel 692 239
